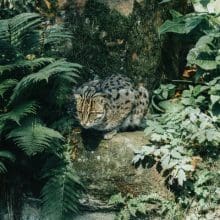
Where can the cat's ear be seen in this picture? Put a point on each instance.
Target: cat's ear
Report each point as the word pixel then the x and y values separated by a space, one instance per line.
pixel 77 96
pixel 101 94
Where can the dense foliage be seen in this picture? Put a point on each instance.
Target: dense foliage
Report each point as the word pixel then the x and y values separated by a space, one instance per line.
pixel 144 206
pixel 36 83
pixel 184 133
pixel 34 88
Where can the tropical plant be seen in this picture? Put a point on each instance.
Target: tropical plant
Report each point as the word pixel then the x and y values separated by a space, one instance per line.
pixel 34 93
pixel 184 131
pixel 5 156
pixel 132 207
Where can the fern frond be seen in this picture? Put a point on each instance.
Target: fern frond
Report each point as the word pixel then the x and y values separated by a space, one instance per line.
pixel 56 68
pixel 20 111
pixel 55 34
pixel 33 137
pixel 3 168
pixel 14 29
pixel 61 193
pixel 26 64
pixel 5 155
pixel 4 33
pixel 6 85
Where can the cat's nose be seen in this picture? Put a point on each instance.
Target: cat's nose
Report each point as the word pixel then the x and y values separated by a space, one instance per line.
pixel 86 125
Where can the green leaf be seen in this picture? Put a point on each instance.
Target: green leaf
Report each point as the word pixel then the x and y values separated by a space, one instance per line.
pixel 199 89
pixel 132 209
pixel 165 161
pixel 207 62
pixel 181 177
pixel 187 93
pixel 52 70
pixel 171 106
pixel 14 30
pixel 60 195
pixel 3 168
pixel 116 199
pixel 175 14
pixel 20 111
pixel 188 101
pixel 33 137
pixel 156 137
pixel 6 85
pixel 210 6
pixel 187 167
pixel 214 99
pixel 165 94
pixel 200 100
pixel 7 155
pixel 181 25
pixel 164 1
pixel 172 26
pixel 142 208
pixel 175 154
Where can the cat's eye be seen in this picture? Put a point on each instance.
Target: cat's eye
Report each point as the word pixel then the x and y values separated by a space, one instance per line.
pixel 96 112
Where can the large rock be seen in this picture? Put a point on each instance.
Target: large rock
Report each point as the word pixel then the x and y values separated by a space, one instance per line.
pixel 96 216
pixel 106 169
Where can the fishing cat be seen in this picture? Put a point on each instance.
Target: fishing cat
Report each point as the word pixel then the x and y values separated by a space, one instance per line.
pixel 111 104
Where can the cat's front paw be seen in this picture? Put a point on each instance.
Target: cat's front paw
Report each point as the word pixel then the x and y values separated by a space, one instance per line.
pixel 110 134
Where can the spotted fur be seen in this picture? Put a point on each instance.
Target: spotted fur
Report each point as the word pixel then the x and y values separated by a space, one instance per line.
pixel 111 104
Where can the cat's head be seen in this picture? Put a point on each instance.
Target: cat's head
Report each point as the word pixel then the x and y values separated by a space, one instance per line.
pixel 90 109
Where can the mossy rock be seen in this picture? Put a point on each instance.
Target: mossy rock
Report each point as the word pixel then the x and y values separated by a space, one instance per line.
pixel 106 169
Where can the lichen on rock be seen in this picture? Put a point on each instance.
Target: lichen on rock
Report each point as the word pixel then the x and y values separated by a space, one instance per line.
pixel 106 169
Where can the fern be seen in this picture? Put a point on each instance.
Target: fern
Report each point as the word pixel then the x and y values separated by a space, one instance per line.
pixel 19 112
pixel 13 30
pixel 21 33
pixel 25 65
pixel 10 7
pixel 6 85
pixel 61 193
pixel 67 69
pixel 23 42
pixel 57 33
pixel 142 205
pixel 5 155
pixel 33 137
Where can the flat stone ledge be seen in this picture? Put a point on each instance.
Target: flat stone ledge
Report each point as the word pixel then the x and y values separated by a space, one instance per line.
pixel 107 170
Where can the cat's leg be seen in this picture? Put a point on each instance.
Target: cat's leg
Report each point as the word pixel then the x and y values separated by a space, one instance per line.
pixel 140 109
pixel 110 134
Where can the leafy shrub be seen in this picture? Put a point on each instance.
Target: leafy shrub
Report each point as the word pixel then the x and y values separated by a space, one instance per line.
pixel 185 129
pixel 177 138
pixel 143 205
pixel 34 90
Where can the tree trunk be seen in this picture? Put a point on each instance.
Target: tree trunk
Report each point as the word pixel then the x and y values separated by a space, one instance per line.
pixel 121 37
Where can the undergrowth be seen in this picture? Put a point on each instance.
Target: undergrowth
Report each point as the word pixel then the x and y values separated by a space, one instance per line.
pixel 35 83
pixel 184 129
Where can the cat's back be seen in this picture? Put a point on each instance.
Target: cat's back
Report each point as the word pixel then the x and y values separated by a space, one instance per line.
pixel 119 90
pixel 116 82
